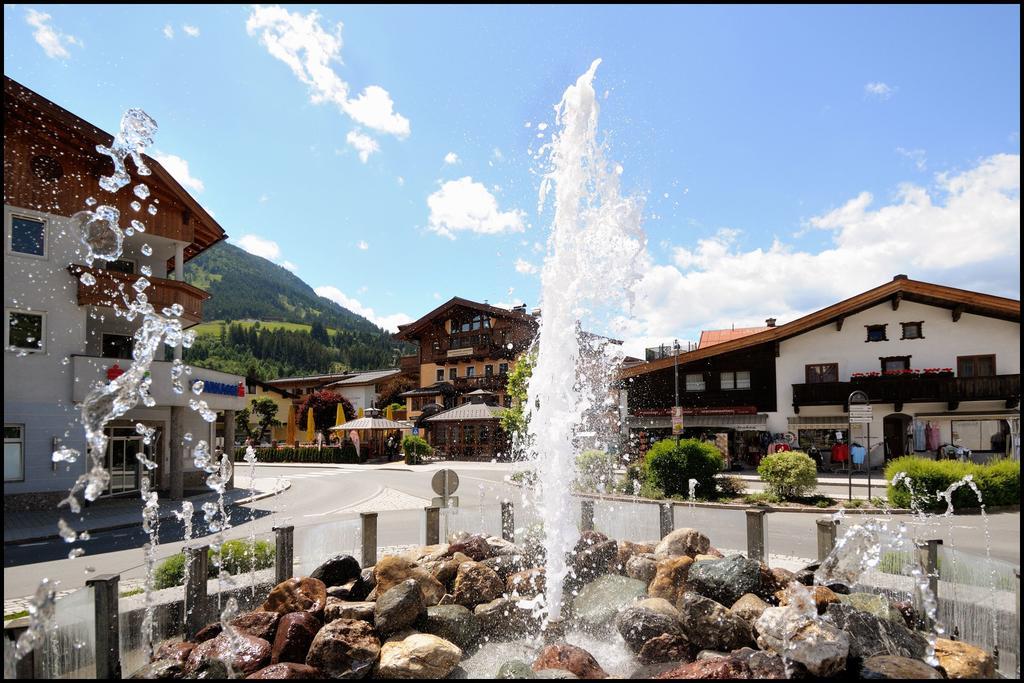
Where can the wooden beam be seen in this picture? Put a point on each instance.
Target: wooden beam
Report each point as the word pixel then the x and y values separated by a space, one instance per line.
pixel 896 299
pixel 839 324
pixel 958 311
pixel 952 405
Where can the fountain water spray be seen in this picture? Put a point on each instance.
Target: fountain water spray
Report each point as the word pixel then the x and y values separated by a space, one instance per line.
pixel 250 457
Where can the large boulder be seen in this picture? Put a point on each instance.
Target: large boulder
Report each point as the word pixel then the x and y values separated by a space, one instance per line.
pixel 287 670
pixel 507 565
pixel 896 668
pixel 476 583
pixel 393 570
pixel 160 669
pixel 343 609
pixel 592 560
pixel 726 580
pixel 446 569
pixel 822 596
pixel 259 624
pixel 526 584
pixel 820 647
pixel 872 603
pixel 454 623
pixel 337 571
pixel 670 578
pixel 628 550
pixel 689 542
pixel 727 668
pixel 297 595
pixel 174 649
pixel 749 606
pixel 641 567
pixel 638 624
pixel 505 619
pixel 597 604
pixel 668 647
pixel 515 668
pixel 420 655
pixel 499 546
pixel 475 548
pixel 709 625
pixel 295 633
pixel 344 648
pixel 961 660
pixel 244 654
pixel 870 635
pixel 569 658
pixel 399 607
pixel 209 632
pixel 659 605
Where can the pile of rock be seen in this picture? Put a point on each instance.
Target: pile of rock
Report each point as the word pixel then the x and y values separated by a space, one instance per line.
pixel 679 605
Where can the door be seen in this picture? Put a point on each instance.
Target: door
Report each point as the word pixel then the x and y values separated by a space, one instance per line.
pixel 123 464
pixel 894 428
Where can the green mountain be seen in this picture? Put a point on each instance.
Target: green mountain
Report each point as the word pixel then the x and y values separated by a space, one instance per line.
pixel 244 287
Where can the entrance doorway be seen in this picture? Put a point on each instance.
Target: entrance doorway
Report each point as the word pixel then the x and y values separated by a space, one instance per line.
pixel 123 446
pixel 894 430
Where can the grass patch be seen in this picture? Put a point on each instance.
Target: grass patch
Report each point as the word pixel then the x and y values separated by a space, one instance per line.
pixel 212 328
pixel 16 615
pixel 129 593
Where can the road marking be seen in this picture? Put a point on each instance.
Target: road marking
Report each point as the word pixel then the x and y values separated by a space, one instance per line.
pixel 29 545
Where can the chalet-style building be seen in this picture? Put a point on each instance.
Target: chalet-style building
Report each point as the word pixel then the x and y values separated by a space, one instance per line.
pixel 61 333
pixel 939 365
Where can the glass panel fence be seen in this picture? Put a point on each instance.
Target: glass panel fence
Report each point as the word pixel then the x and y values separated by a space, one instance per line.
pixel 727 529
pixel 625 520
pixel 69 650
pixel 315 543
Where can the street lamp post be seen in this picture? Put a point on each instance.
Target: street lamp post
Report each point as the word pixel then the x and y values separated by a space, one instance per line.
pixel 675 371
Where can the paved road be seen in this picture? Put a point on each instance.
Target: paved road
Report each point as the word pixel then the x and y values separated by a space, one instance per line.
pixel 320 495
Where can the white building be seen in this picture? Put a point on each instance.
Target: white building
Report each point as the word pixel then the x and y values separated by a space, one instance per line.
pixel 363 389
pixel 62 336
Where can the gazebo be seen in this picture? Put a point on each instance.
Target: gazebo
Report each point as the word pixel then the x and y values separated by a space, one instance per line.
pixel 469 431
pixel 375 426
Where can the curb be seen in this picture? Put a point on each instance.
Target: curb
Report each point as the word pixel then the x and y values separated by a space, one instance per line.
pixel 743 506
pixel 127 525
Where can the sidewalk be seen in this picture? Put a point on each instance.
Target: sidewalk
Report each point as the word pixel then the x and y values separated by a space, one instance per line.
pixel 103 515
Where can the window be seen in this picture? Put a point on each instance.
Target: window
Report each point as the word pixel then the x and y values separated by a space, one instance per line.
pixel 822 372
pixel 502 368
pixel 470 371
pixel 979 435
pixel 14 453
pixel 28 236
pixel 735 380
pixel 876 333
pixel 453 373
pixel 695 382
pixel 895 363
pixel 436 346
pixel 488 371
pixel 975 366
pixel 913 330
pixel 25 331
pixel 117 346
pixel 440 374
pixel 122 266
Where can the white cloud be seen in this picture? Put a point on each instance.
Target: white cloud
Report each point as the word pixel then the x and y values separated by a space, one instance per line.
pixel 362 245
pixel 178 168
pixel 451 158
pixel 168 32
pixel 263 199
pixel 388 322
pixel 963 232
pixel 509 305
pixel 401 181
pixel 465 205
pixel 363 144
pixel 882 91
pixel 437 296
pixel 525 267
pixel 918 156
pixel 309 51
pixel 288 265
pixel 258 246
pixel 191 31
pixel 48 37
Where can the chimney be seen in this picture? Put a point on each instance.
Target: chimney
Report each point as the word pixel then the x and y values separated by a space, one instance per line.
pixel 770 322
pixel 901 276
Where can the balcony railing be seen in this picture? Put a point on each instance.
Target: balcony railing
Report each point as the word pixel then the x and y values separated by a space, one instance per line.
pixel 162 293
pixel 914 389
pixel 492 383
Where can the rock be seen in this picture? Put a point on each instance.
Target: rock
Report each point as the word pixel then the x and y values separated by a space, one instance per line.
pixel 454 623
pixel 446 599
pixel 288 670
pixel 871 603
pixel 399 607
pixel 960 660
pixel 499 547
pixel 209 632
pixel 526 584
pixel 667 647
pixel 628 549
pixel 343 592
pixel 641 568
pixel 870 635
pixel 783 577
pixel 343 609
pixel 822 596
pixel 247 654
pixel 444 570
pixel 749 606
pixel 709 625
pixel 569 658
pixel 638 624
pixel 590 561
pixel 688 542
pixel 476 583
pixel 344 648
pixel 820 647
pixel 297 595
pixel 258 623
pixel 176 650
pixel 721 668
pixel 503 619
pixel 906 609
pixel 367 581
pixel 160 668
pixel 727 580
pixel 898 668
pixel 211 670
pixel 507 565
pixel 555 673
pixel 768 665
pixel 670 578
pixel 391 571
pixel 295 633
pixel 337 571
pixel 806 575
pixel 419 656
pixel 474 547
pixel 659 605
pixel 596 606
pixel 703 558
pixel 515 669
pixel 427 553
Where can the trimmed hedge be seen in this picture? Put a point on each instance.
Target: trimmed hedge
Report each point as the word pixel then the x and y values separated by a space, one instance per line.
pixel 415 449
pixel 999 482
pixel 235 557
pixel 789 474
pixel 328 454
pixel 595 470
pixel 670 467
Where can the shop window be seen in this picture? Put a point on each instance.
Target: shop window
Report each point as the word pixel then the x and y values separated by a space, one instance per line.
pixel 735 380
pixel 453 373
pixel 471 371
pixel 25 331
pixel 976 366
pixel 979 435
pixel 14 453
pixel 27 236
pixel 695 382
pixel 488 371
pixel 117 346
pixel 819 373
pixel 893 364
pixel 876 333
pixel 502 368
pixel 913 330
pixel 440 374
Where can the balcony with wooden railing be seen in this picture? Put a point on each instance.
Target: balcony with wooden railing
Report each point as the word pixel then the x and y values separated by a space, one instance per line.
pixel 112 288
pixel 493 383
pixel 923 388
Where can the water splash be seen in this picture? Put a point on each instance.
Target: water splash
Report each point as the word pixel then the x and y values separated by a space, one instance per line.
pixel 250 457
pixel 593 250
pixel 137 132
pixel 40 611
pixel 150 525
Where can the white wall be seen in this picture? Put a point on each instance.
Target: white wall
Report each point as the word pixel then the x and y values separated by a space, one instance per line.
pixel 359 397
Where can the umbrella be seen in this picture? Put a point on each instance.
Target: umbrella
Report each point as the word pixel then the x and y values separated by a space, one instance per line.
pixel 310 426
pixel 390 413
pixel 289 434
pixel 340 415
pixel 371 424
pixel 360 413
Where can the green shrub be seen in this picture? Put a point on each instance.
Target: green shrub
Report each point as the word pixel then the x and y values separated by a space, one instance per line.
pixel 999 482
pixel 595 470
pixel 790 474
pixel 730 486
pixel 235 558
pixel 170 572
pixel 415 449
pixel 306 454
pixel 761 498
pixel 526 478
pixel 670 467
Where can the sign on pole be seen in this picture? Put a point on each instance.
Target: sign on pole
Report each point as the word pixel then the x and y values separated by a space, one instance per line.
pixel 444 483
pixel 860 413
pixel 677 420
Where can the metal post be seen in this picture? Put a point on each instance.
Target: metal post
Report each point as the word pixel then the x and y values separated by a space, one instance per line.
pixel 1016 574
pixel 826 537
pixel 928 558
pixel 666 518
pixel 675 372
pixel 284 553
pixel 369 525
pixel 197 560
pixel 867 461
pixel 755 535
pixel 432 525
pixel 108 634
pixel 508 521
pixel 586 515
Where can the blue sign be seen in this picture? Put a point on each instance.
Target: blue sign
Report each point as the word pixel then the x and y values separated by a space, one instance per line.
pixel 218 388
pixel 415 431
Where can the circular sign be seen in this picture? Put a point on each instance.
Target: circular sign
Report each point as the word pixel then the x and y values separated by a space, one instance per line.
pixel 445 482
pixel 858 397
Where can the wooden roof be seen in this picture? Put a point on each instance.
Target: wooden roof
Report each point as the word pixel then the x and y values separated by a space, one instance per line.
pixel 412 330
pixel 901 288
pixel 712 337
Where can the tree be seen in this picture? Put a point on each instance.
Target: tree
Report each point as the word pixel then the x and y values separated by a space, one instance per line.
pixel 242 423
pixel 265 411
pixel 319 333
pixel 394 386
pixel 325 408
pixel 514 419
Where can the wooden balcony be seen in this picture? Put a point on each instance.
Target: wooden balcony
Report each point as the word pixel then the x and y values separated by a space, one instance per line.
pixel 162 293
pixel 493 383
pixel 916 389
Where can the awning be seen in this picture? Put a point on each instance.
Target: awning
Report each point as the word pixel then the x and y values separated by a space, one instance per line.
pixel 819 422
pixel 990 415
pixel 742 423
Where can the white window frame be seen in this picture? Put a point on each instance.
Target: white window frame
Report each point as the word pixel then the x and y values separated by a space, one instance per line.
pixel 693 386
pixel 742 384
pixel 727 381
pixel 21 442
pixel 7 330
pixel 471 371
pixel 9 216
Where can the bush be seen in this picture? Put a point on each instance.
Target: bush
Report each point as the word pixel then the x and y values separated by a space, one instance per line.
pixel 999 482
pixel 328 454
pixel 790 474
pixel 595 471
pixel 415 449
pixel 730 486
pixel 235 558
pixel 671 466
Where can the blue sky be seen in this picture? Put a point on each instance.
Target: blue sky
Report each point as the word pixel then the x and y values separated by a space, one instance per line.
pixel 789 157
